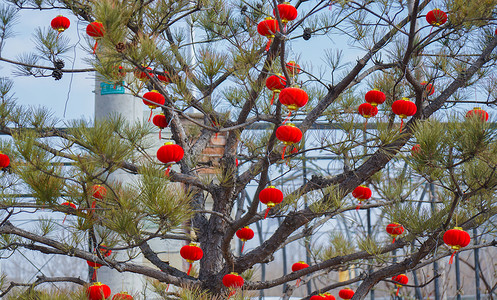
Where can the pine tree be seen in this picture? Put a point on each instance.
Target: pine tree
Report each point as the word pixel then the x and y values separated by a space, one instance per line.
pixel 147 46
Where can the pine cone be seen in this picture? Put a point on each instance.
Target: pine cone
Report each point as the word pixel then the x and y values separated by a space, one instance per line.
pixel 59 64
pixel 120 47
pixel 307 34
pixel 57 74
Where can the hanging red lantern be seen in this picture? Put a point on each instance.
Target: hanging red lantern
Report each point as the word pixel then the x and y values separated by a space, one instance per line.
pixel 191 253
pixel 456 239
pixel 361 193
pixel 233 281
pixel 436 17
pixel 328 296
pixel 293 68
pixel 143 75
pixel 170 153
pixel 477 112
pixel 96 30
pixel 244 234
pixel 122 296
pixel 95 267
pixel 153 99
pixel 346 293
pixel 270 196
pixel 430 89
pixel 70 204
pixel 394 229
pixel 404 108
pixel 293 98
pixel 4 160
pixel 416 150
pixel 400 280
pixel 300 265
pixel 104 250
pixel 275 83
pixel 98 291
pixel 375 97
pixel 317 297
pixel 98 191
pixel 60 23
pixel 164 78
pixel 367 110
pixel 160 121
pixel 287 12
pixel 268 28
pixel 288 134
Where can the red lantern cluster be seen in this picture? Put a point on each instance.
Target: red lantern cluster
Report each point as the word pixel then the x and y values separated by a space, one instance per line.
pixel 96 30
pixel 233 281
pixel 346 293
pixel 4 160
pixel 430 89
pixel 394 229
pixel 361 193
pixel 456 239
pixel 293 68
pixel 275 83
pixel 404 108
pixel 153 99
pixel 477 112
pixel 289 135
pixel 400 280
pixel 60 23
pixel 270 196
pixel 191 253
pixel 268 28
pixel 436 17
pixel 300 265
pixel 98 291
pixel 160 121
pixel 287 12
pixel 244 234
pixel 369 109
pixel 122 296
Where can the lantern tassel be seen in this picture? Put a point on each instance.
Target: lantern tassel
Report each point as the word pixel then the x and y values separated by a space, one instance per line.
pixel 366 125
pixel 401 124
pixel 150 117
pixel 268 44
pixel 64 219
pixel 243 245
pixel 95 46
pixel 166 173
pixel 283 152
pixel 94 276
pixel 267 212
pixel 452 258
pixel 189 269
pixel 160 134
pixel 167 287
pixel 272 98
pixel 393 241
pixel 287 117
pixel 298 282
pixel 231 294
pixel 398 289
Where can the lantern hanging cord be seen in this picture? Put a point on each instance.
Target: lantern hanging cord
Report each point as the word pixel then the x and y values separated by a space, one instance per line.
pixel 72 67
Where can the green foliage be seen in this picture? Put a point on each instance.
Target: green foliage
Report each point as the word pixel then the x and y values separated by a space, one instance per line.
pixel 338 245
pixel 470 13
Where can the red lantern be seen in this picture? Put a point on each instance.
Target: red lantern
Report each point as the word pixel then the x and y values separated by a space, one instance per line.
pixel 70 204
pixel 98 291
pixel 153 99
pixel 430 89
pixel 416 150
pixel 232 281
pixel 367 110
pixel 96 30
pixel 99 191
pixel 95 267
pixel 300 265
pixel 60 23
pixel 288 134
pixel 346 293
pixel 375 97
pixel 287 12
pixel 268 28
pixel 477 112
pixel 275 83
pixel 191 253
pixel 456 239
pixel 245 234
pixel 328 296
pixel 164 78
pixel 104 250
pixel 170 153
pixel 160 121
pixel 400 280
pixel 4 160
pixel 122 296
pixel 270 196
pixel 395 229
pixel 293 68
pixel 317 297
pixel 293 98
pixel 436 17
pixel 141 75
pixel 361 193
pixel 404 108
